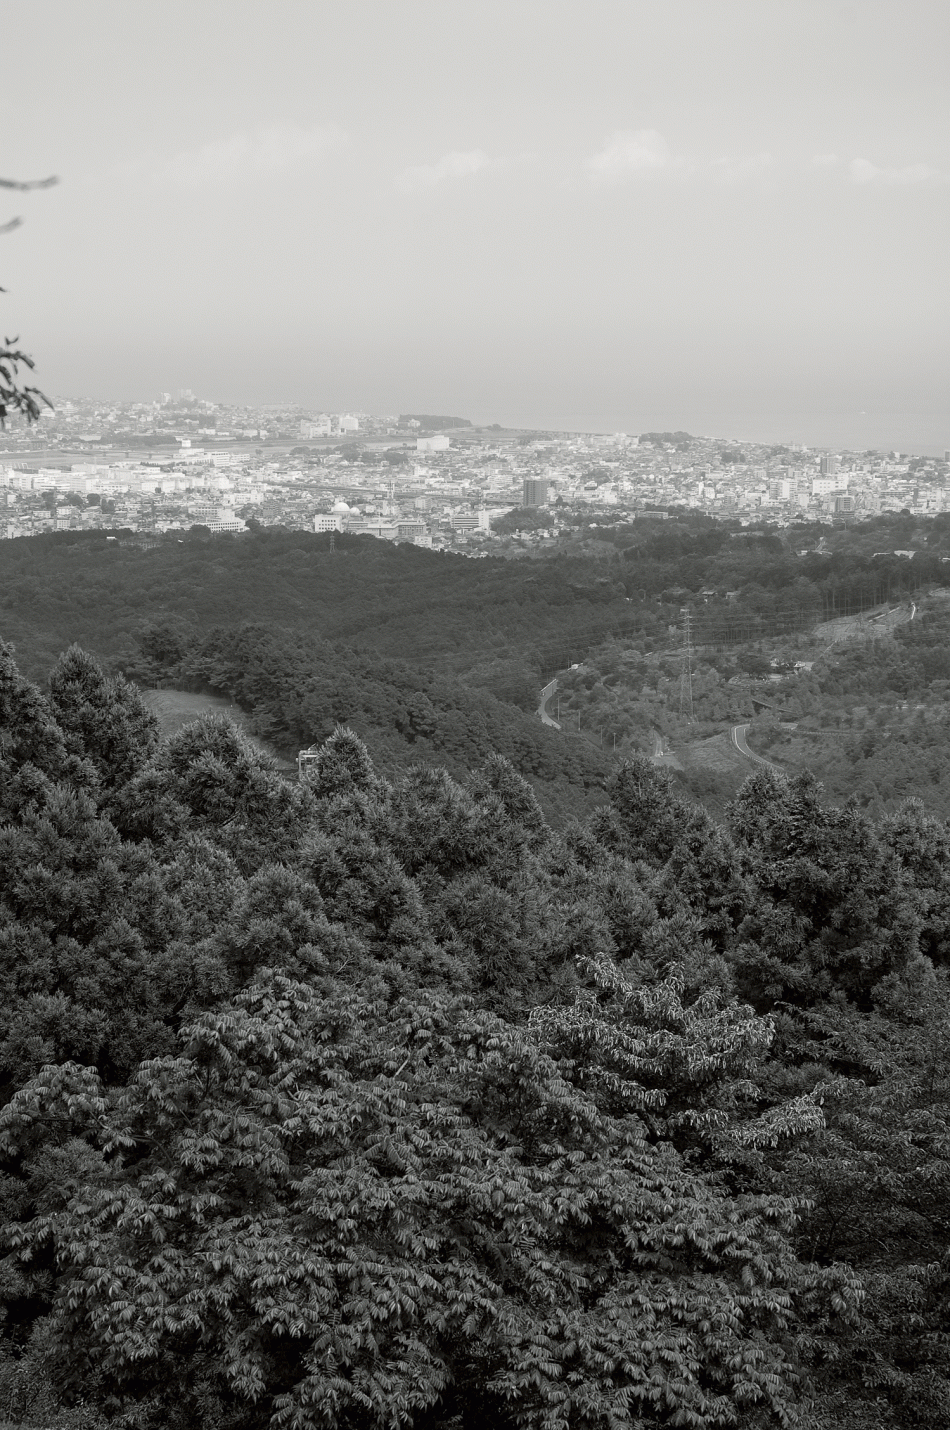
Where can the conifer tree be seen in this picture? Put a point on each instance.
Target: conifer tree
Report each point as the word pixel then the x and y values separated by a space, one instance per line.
pixel 31 743
pixel 105 720
pixel 831 908
pixel 342 767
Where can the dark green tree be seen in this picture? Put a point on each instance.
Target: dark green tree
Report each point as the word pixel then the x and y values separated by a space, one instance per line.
pixel 104 720
pixel 322 1212
pixel 831 908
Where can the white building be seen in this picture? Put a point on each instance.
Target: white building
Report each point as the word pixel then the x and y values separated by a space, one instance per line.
pixel 331 521
pixel 821 486
pixel 227 521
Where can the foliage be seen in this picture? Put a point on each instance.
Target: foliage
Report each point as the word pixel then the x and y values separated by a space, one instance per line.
pixel 349 1216
pixel 426 608
pixel 16 396
pixel 831 910
pixel 300 689
pixel 376 1100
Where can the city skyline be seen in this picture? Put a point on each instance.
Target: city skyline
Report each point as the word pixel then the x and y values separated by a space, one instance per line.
pixel 156 470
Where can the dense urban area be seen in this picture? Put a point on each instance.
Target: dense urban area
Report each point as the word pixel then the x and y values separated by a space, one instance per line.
pixel 436 481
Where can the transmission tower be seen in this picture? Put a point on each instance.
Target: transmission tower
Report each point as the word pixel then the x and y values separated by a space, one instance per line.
pixel 686 676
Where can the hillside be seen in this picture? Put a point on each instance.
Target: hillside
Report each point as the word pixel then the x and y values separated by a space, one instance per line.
pixel 437 658
pixel 453 614
pixel 297 689
pixel 428 657
pixel 369 1095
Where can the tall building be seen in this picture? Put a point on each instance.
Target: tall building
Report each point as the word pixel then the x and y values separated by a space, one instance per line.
pixel 830 466
pixel 535 492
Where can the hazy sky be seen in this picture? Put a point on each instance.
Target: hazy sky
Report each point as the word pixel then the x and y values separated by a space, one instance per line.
pixel 607 214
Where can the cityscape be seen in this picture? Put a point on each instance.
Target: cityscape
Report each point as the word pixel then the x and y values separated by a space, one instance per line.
pixel 156 469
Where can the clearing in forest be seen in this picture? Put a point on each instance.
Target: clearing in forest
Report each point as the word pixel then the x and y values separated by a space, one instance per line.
pixel 175 708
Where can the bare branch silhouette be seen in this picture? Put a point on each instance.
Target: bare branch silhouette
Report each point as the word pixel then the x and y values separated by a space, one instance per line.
pixel 24 185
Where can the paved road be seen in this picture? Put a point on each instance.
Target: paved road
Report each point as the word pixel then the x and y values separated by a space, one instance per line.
pixel 661 756
pixel 546 694
pixel 739 740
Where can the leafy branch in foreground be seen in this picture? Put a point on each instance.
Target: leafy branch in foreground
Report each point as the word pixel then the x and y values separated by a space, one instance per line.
pixel 328 1212
pixel 14 395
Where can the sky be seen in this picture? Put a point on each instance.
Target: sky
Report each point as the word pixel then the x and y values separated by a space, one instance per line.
pixel 727 216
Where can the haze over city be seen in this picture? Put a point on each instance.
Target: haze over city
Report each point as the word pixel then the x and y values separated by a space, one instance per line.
pixel 610 217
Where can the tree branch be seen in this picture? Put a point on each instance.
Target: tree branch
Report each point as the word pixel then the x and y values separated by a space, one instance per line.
pixel 24 185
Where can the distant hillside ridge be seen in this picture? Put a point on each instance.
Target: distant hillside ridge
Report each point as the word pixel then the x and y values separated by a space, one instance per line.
pixel 425 419
pixel 472 619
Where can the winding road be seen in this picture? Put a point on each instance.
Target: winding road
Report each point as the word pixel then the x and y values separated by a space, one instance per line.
pixel 549 690
pixel 739 740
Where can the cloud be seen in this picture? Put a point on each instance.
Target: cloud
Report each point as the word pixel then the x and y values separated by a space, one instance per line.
pixel 824 161
pixel 629 154
pixel 638 153
pixel 862 171
pixel 457 164
pixel 734 169
pixel 261 153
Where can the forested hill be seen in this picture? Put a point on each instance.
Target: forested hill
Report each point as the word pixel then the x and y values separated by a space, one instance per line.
pixel 491 618
pixel 492 621
pixel 431 656
pixel 298 688
pixel 365 1102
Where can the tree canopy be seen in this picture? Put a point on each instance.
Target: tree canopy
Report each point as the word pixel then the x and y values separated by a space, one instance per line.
pixel 374 1100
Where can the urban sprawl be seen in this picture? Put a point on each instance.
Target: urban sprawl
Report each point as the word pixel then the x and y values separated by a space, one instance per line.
pixel 181 463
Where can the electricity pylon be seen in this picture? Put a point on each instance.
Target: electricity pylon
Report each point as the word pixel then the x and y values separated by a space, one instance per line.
pixel 686 676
